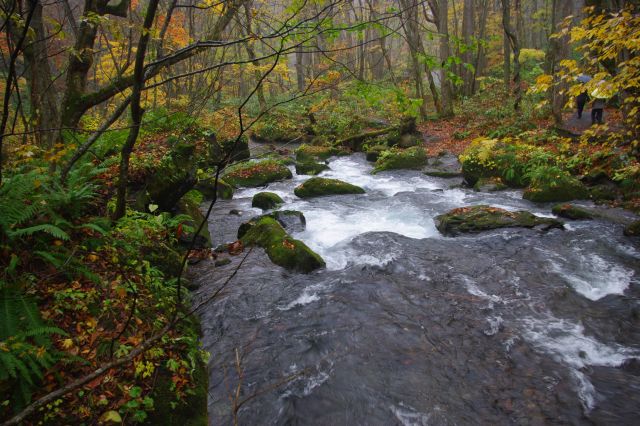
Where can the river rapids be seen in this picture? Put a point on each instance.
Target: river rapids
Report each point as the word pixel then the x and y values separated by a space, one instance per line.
pixel 407 327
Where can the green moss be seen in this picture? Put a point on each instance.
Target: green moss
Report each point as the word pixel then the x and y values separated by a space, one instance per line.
pixel 411 158
pixel 317 153
pixel 633 229
pixel 281 248
pixel 565 188
pixel 571 211
pixel 373 152
pixel 316 187
pixel 190 206
pixel 174 177
pixel 256 173
pixel 483 218
pixel 489 184
pixel 266 200
pixel 310 168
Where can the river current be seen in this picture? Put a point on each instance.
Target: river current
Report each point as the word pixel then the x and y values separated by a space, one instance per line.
pixel 407 327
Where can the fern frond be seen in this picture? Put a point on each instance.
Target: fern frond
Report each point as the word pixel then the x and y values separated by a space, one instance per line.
pixel 45 227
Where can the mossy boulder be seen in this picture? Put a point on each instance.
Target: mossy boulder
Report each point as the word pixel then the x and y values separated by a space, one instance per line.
pixel 310 168
pixel 317 152
pixel 571 211
pixel 412 158
pixel 290 220
pixel 174 177
pixel 266 200
pixel 256 173
pixel 483 218
pixel 317 187
pixel 189 205
pixel 282 249
pixel 491 184
pixel 564 188
pixel 444 165
pixel 372 153
pixel 493 158
pixel 232 149
pixel 633 229
pixel 603 192
pixel 207 186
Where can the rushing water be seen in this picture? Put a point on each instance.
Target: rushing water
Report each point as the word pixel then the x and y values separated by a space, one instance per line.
pixel 406 326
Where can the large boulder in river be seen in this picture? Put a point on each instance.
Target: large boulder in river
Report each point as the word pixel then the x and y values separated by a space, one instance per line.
pixel 174 177
pixel 443 166
pixel 256 173
pixel 310 167
pixel 317 152
pixel 290 220
pixel 282 249
pixel 208 187
pixel 563 187
pixel 412 158
pixel 571 211
pixel 266 200
pixel 317 187
pixel 633 229
pixel 483 218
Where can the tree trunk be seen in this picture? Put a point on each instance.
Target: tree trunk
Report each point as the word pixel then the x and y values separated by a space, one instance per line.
pixel 514 41
pixel 558 50
pixel 506 47
pixel 136 110
pixel 252 56
pixel 467 55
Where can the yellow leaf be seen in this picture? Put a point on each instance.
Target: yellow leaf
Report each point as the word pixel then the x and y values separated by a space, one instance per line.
pixel 111 416
pixel 67 343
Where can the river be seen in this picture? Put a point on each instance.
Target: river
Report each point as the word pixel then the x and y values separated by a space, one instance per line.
pixel 405 326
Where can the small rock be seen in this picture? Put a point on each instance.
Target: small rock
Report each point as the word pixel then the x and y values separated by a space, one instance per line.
pixel 235 212
pixel 633 229
pixel 571 211
pixel 316 187
pixel 266 200
pixel 222 262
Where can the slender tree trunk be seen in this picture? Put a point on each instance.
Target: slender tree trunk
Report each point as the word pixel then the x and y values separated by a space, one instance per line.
pixel 506 46
pixel 467 55
pixel 136 110
pixel 514 42
pixel 558 50
pixel 252 56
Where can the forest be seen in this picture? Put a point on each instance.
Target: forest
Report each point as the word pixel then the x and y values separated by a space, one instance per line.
pixel 319 212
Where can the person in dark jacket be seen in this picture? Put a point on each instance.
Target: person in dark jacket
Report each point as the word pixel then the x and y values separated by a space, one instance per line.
pixel 597 108
pixel 581 100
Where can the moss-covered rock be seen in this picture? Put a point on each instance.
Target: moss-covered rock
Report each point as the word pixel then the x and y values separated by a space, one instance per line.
pixel 412 158
pixel 310 168
pixel 633 229
pixel 207 186
pixel 232 149
pixel 256 173
pixel 317 152
pixel 372 153
pixel 266 200
pixel 290 220
pixel 189 205
pixel 317 186
pixel 571 211
pixel 564 188
pixel 174 177
pixel 493 158
pixel 491 184
pixel 282 249
pixel 603 192
pixel 483 218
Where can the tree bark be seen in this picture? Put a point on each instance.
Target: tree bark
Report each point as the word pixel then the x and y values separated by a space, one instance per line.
pixel 514 41
pixel 136 110
pixel 558 50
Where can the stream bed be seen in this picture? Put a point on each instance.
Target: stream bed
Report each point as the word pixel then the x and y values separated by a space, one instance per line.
pixel 405 326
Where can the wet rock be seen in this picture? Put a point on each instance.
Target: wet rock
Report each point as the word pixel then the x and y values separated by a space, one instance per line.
pixel 316 187
pixel 310 168
pixel 291 220
pixel 571 211
pixel 233 149
pixel 235 212
pixel 564 188
pixel 444 166
pixel 208 188
pixel 317 152
pixel 412 158
pixel 633 229
pixel 222 262
pixel 483 218
pixel 491 184
pixel 256 173
pixel 603 192
pixel 266 200
pixel 175 176
pixel 189 205
pixel 373 152
pixel 595 177
pixel 282 249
